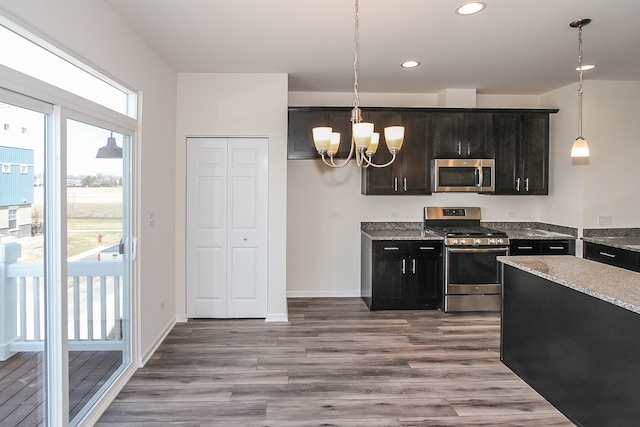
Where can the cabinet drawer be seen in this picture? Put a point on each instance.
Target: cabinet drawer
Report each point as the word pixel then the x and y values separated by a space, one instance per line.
pixel 524 247
pixel 558 247
pixel 612 256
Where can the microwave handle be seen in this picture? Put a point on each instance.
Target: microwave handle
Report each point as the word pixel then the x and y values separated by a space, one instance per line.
pixel 479 177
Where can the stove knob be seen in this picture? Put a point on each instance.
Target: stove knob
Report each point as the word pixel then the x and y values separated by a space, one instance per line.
pixel 463 242
pixel 492 241
pixel 477 241
pixel 500 241
pixel 455 241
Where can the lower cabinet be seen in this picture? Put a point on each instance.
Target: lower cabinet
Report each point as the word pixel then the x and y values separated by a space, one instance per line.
pixel 401 274
pixel 617 257
pixel 542 247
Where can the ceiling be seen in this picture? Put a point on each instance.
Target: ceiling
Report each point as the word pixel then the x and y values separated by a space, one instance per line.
pixel 512 47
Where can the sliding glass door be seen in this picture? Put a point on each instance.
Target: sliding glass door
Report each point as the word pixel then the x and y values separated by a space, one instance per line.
pixel 65 264
pixel 97 239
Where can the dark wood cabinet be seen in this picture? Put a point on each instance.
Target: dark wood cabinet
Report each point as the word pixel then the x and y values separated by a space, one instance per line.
pixel 542 247
pixel 521 153
pixel 409 173
pixel 463 134
pixel 617 257
pixel 303 119
pixel 401 274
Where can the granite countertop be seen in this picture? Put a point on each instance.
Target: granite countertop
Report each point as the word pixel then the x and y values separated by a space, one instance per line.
pixel 399 234
pixel 612 284
pixel 515 230
pixel 629 243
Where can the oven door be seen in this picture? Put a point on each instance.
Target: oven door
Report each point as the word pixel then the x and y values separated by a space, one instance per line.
pixel 473 270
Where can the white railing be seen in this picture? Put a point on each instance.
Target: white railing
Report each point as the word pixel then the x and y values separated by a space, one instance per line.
pixel 94 297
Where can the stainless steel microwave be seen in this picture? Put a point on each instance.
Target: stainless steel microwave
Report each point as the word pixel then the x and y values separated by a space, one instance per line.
pixel 462 175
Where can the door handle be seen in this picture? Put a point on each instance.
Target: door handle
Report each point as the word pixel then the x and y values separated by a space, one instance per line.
pixel 404 266
pixel 395 184
pixel 413 266
pixel 517 184
pixel 404 184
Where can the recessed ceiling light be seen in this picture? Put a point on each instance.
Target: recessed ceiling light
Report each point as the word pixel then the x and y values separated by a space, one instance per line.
pixel 586 67
pixel 470 8
pixel 410 64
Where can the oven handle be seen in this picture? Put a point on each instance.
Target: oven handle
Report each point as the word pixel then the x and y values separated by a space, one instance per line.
pixel 476 250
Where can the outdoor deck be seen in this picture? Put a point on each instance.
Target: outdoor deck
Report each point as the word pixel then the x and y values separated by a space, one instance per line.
pixel 22 394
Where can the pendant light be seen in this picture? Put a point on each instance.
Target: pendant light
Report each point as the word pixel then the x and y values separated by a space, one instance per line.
pixel 110 151
pixel 580 147
pixel 364 141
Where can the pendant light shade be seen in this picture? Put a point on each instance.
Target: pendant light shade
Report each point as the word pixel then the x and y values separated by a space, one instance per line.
pixel 111 150
pixel 580 148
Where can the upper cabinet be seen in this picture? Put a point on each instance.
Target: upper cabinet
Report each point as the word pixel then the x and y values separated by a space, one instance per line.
pixel 463 134
pixel 522 153
pixel 303 119
pixel 409 173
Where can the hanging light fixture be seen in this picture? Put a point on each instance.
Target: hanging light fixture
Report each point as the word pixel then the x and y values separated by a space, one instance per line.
pixel 111 150
pixel 364 141
pixel 580 147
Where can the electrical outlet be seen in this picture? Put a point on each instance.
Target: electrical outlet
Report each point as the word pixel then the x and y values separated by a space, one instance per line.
pixel 335 214
pixel 395 215
pixel 605 220
pixel 511 214
pixel 152 219
pixel 162 305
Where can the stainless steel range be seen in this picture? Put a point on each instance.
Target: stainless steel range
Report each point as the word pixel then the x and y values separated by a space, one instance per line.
pixel 472 274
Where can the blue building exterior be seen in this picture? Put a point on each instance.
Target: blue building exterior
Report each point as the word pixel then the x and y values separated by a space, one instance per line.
pixel 16 190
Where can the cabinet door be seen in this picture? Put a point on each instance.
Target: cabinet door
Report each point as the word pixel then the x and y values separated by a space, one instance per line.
pixel 459 134
pixel 558 247
pixel 535 153
pixel 524 247
pixel 507 152
pixel 409 173
pixel 424 287
pixel 521 153
pixel 389 270
pixel 303 120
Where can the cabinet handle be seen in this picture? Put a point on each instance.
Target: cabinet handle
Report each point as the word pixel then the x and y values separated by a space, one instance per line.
pixel 517 184
pixel 557 248
pixel 427 248
pixel 526 185
pixel 607 255
pixel 395 184
pixel 404 266
pixel 459 148
pixel 525 247
pixel 413 266
pixel 391 248
pixel 404 184
pixel 468 148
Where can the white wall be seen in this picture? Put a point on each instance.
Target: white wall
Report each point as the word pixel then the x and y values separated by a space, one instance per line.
pixel 248 105
pixel 606 182
pixel 95 33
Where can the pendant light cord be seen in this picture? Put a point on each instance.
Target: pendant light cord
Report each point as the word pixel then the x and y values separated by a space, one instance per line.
pixel 580 81
pixel 356 43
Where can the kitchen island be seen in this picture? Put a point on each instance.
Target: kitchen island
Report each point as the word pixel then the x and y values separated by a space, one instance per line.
pixel 571 329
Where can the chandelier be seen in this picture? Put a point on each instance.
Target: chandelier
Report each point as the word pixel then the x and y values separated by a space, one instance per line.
pixel 364 141
pixel 580 148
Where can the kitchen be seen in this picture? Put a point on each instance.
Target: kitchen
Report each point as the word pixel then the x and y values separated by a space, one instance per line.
pixel 319 211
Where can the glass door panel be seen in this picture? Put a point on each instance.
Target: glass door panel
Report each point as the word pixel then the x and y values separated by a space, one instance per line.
pixel 23 290
pixel 98 232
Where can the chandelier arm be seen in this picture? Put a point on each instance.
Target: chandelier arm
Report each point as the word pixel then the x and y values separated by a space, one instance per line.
pixel 375 165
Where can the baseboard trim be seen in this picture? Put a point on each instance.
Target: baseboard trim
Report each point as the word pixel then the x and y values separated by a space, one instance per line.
pixel 144 358
pixel 277 317
pixel 323 294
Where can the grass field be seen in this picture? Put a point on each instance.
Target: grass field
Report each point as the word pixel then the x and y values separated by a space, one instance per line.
pixel 91 211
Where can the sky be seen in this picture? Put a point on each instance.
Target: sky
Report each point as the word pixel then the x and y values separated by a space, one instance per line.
pixel 23 128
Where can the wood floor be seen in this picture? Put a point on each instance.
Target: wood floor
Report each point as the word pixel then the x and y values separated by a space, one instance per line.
pixel 22 394
pixel 333 364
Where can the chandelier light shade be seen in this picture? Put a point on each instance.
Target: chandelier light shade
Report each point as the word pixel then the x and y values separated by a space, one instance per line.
pixel 364 140
pixel 580 147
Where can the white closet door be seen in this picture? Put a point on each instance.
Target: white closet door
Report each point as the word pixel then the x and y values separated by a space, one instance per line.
pixel 227 227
